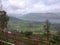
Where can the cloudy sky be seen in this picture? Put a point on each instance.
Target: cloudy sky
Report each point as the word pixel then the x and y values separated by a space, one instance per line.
pixel 28 6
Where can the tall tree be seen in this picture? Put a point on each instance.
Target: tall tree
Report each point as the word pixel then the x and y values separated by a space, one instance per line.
pixel 47 27
pixel 3 20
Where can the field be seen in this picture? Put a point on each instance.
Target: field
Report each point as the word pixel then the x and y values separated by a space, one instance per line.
pixel 34 40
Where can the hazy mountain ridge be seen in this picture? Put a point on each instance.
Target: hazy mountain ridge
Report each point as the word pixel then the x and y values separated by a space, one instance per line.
pixel 14 19
pixel 53 17
pixel 42 15
pixel 15 23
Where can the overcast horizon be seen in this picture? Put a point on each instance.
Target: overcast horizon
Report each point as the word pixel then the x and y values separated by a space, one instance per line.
pixel 31 6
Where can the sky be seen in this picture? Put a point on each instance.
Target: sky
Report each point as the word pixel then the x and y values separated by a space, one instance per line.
pixel 31 6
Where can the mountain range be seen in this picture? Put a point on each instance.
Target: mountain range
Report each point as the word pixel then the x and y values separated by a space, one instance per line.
pixel 20 24
pixel 41 17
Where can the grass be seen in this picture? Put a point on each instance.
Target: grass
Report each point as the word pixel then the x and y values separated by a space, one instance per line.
pixel 20 39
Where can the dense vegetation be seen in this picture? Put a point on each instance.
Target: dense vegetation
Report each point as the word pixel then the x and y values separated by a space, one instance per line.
pixel 32 29
pixel 23 25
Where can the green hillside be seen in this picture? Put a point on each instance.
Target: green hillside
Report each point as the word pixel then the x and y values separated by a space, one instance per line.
pixel 37 16
pixel 23 25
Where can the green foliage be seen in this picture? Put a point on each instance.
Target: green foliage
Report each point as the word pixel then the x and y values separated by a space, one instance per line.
pixel 28 33
pixel 21 25
pixel 3 20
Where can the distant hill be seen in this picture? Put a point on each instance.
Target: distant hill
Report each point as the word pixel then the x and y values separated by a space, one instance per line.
pixel 14 19
pixel 53 17
pixel 19 24
pixel 13 22
pixel 41 15
pixel 24 25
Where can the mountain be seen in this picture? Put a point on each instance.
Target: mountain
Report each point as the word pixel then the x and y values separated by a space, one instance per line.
pixel 41 15
pixel 19 24
pixel 14 19
pixel 13 22
pixel 53 17
pixel 24 25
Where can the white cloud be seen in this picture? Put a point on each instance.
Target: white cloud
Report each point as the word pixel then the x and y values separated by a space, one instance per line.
pixel 27 6
pixel 52 1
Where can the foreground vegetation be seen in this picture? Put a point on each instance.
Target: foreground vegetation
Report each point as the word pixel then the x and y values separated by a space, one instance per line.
pixel 31 33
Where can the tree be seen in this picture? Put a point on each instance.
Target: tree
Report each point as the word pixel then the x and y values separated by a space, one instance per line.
pixel 3 20
pixel 47 32
pixel 28 34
